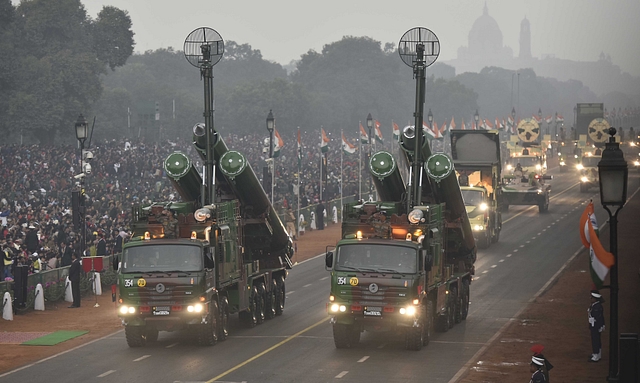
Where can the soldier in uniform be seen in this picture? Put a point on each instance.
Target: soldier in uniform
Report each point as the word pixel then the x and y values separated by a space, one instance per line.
pixel 170 224
pixel 536 370
pixel 537 352
pixel 596 325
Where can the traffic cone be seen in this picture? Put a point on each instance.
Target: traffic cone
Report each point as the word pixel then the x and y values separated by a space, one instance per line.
pixel 39 303
pixel 7 307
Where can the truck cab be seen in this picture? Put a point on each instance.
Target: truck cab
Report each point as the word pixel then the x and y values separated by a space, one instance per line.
pixel 479 207
pixel 588 171
pixel 568 156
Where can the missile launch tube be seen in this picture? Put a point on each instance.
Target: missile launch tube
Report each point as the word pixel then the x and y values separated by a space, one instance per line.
pixel 183 175
pixel 247 188
pixel 200 143
pixel 439 167
pixel 386 177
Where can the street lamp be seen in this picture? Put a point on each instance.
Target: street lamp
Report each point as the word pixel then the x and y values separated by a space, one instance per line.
pixel 430 119
pixel 476 118
pixel 540 118
pixel 82 132
pixel 613 177
pixel 271 122
pixel 575 119
pixel 556 131
pixel 370 126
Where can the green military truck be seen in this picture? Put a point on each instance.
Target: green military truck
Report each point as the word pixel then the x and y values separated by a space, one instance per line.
pixel 476 157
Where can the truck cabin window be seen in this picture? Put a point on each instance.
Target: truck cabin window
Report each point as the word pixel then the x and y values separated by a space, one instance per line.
pixel 162 258
pixel 374 258
pixel 472 197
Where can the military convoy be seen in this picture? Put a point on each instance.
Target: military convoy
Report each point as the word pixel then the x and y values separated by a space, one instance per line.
pixel 224 250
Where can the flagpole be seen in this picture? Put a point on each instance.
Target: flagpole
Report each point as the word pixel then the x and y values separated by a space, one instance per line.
pixel 341 169
pixel 359 164
pixel 321 154
pixel 299 170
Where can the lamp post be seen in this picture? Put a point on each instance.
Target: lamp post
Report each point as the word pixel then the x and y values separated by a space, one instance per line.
pixel 556 120
pixel 82 126
pixel 613 177
pixel 370 126
pixel 271 122
pixel 476 118
pixel 575 119
pixel 540 118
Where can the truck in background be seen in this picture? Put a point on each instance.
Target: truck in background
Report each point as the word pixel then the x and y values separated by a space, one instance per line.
pixel 476 157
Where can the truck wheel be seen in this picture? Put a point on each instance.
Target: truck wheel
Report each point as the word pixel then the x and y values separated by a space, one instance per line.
pixel 280 296
pixel 151 335
pixel 457 309
pixel 135 336
pixel 208 333
pixel 453 303
pixel 223 326
pixel 270 310
pixel 464 309
pixel 261 303
pixel 444 319
pixel 344 335
pixel 430 324
pixel 484 240
pixel 249 316
pixel 496 236
pixel 414 337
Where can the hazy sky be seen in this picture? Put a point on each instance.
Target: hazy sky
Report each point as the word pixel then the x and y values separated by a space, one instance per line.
pixel 285 29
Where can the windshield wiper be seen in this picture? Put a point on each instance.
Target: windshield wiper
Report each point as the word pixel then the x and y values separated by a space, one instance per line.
pixel 177 271
pixel 361 269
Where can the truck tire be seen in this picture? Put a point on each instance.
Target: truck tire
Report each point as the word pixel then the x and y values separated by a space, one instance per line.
pixel 464 308
pixel 430 324
pixel 496 236
pixel 453 303
pixel 444 319
pixel 483 240
pixel 345 336
pixel 135 336
pixel 208 332
pixel 223 326
pixel 151 335
pixel 261 303
pixel 280 295
pixel 249 316
pixel 414 337
pixel 270 303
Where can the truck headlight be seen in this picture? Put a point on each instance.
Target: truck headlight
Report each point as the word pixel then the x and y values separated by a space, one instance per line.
pixel 584 179
pixel 562 163
pixel 197 308
pixel 483 206
pixel 127 310
pixel 409 310
pixel 538 167
pixel 636 163
pixel 509 167
pixel 478 228
pixel 579 167
pixel 338 308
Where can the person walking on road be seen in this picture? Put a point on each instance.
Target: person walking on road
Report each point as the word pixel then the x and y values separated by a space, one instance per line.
pixel 74 277
pixel 596 325
pixel 320 215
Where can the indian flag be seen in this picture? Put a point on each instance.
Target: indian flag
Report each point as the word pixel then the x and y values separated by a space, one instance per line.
pixel 396 131
pixel 347 146
pixel 378 133
pixel 278 144
pixel 324 141
pixel 601 260
pixel 364 137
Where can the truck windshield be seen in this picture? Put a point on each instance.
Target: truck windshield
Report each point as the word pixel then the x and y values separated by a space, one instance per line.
pixel 527 161
pixel 162 258
pixel 377 257
pixel 472 197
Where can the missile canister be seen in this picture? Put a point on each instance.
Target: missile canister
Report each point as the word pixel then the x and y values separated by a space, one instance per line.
pixel 386 177
pixel 200 142
pixel 273 236
pixel 439 167
pixel 183 175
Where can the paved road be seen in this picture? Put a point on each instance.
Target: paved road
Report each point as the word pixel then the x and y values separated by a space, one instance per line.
pixel 298 346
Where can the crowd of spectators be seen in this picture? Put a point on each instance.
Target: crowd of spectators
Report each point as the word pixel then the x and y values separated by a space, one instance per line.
pixel 35 194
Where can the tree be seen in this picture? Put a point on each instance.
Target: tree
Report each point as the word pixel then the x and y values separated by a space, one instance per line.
pixel 112 36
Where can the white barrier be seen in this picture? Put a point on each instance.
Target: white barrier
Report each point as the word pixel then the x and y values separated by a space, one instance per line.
pixel 39 303
pixel 7 311
pixel 97 286
pixel 68 295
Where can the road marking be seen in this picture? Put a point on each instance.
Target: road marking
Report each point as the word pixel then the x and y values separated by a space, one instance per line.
pixel 515 250
pixel 502 260
pixel 266 351
pixel 528 242
pixel 539 234
pixel 363 359
pixel 322 279
pixel 476 278
pixel 508 255
pixel 544 230
pixel 486 271
pixel 494 266
pixel 521 246
pixel 534 237
pixel 172 345
pixel 290 292
pixel 340 375
pixel 141 358
pixel 381 346
pixel 106 373
pixel 307 285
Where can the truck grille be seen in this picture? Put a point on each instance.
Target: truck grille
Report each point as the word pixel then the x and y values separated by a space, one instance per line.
pixel 385 294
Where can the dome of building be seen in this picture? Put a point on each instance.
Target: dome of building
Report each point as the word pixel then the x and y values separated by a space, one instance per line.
pixel 485 33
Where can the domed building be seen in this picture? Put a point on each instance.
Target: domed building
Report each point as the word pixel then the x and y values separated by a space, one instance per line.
pixel 485 43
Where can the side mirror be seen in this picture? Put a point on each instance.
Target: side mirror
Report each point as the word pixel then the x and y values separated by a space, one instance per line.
pixel 328 260
pixel 209 263
pixel 428 261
